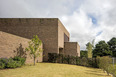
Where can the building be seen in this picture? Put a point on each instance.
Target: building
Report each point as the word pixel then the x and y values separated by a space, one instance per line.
pixel 51 31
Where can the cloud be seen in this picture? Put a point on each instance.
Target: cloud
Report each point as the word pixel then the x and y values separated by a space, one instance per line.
pixel 84 19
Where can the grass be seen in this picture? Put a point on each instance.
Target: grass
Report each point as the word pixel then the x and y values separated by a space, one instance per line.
pixel 53 70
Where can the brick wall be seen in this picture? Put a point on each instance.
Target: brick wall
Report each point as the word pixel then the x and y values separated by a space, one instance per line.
pixel 10 44
pixel 71 48
pixel 45 28
pixel 61 34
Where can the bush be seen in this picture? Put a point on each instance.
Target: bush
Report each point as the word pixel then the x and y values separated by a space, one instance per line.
pixel 60 58
pixel 4 60
pixel 84 61
pixel 78 61
pixel 112 70
pixel 52 57
pixel 2 65
pixel 66 59
pixel 11 62
pixel 105 63
pixel 19 60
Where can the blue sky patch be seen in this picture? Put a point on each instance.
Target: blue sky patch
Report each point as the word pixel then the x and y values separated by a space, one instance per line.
pixel 99 33
pixel 94 20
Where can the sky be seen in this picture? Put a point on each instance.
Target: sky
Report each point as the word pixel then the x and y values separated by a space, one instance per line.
pixel 84 19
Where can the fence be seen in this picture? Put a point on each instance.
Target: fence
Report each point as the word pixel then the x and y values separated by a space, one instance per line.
pixel 113 60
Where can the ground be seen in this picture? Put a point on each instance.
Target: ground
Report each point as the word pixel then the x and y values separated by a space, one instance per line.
pixel 53 70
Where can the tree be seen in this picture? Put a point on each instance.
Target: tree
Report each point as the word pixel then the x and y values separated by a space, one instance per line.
pixel 101 49
pixel 83 53
pixel 112 45
pixel 89 49
pixel 34 47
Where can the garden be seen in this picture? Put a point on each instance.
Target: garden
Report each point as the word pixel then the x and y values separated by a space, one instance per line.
pixel 90 64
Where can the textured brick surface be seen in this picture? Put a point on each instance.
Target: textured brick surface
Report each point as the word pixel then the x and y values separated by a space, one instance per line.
pixel 50 30
pixel 71 48
pixel 46 29
pixel 10 43
pixel 61 31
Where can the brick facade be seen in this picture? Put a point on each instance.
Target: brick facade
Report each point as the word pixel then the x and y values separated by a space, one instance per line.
pixel 50 30
pixel 11 45
pixel 72 49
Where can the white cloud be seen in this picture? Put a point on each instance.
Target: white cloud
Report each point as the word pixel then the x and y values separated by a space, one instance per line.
pixel 76 15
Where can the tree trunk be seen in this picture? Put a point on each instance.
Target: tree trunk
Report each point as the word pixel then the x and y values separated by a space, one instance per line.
pixel 34 60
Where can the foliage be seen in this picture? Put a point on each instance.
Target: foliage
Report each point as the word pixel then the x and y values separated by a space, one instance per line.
pixel 104 63
pixel 34 47
pixel 101 49
pixel 2 65
pixel 19 59
pixel 52 57
pixel 83 53
pixel 112 70
pixel 75 60
pixel 11 62
pixel 89 49
pixel 112 45
pixel 84 61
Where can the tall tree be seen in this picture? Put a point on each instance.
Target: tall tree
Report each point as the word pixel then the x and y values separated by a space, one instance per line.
pixel 83 53
pixel 112 45
pixel 101 49
pixel 89 49
pixel 34 47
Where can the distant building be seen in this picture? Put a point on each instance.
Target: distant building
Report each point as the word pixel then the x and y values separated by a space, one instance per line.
pixel 51 31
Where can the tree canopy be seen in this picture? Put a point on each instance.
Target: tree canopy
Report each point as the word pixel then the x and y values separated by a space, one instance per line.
pixel 101 49
pixel 112 46
pixel 89 49
pixel 83 53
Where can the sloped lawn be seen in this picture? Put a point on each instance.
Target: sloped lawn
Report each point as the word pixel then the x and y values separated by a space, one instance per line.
pixel 53 70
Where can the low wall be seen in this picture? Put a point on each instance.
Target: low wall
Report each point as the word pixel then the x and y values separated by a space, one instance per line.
pixel 11 45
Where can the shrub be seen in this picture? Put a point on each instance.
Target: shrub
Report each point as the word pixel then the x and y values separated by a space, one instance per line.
pixel 60 58
pixel 84 61
pixel 78 61
pixel 19 60
pixel 72 60
pixel 104 63
pixel 18 64
pixel 4 60
pixel 112 70
pixel 90 62
pixel 2 65
pixel 11 63
pixel 52 57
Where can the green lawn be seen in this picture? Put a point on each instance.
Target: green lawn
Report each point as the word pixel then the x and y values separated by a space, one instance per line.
pixel 52 70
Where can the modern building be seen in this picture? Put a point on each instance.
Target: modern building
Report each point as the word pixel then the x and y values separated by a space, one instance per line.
pixel 51 31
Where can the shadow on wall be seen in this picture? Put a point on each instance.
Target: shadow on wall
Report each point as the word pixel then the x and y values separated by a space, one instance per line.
pixel 20 51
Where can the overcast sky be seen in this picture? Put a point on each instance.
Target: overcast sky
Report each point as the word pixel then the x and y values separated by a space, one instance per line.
pixel 84 19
